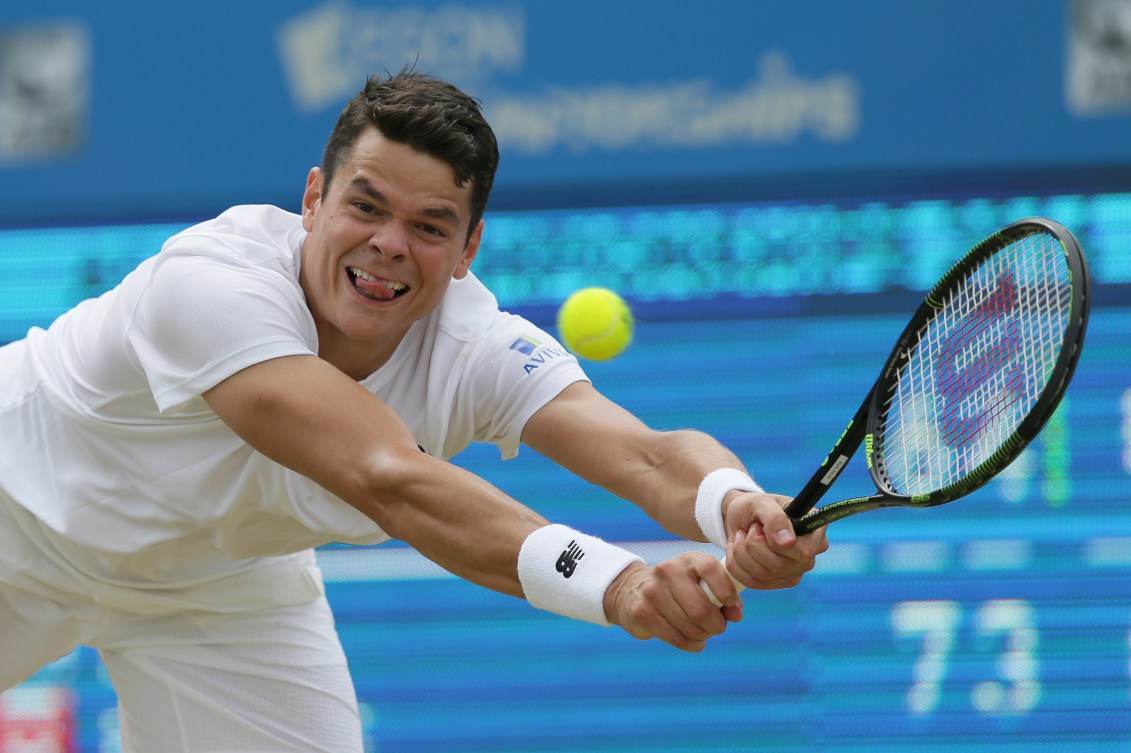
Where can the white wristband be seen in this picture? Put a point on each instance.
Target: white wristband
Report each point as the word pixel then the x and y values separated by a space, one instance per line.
pixel 709 501
pixel 567 572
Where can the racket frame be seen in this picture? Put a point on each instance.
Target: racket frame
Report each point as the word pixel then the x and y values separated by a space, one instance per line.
pixel 862 429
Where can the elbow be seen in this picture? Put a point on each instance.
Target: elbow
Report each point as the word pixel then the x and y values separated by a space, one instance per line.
pixel 388 485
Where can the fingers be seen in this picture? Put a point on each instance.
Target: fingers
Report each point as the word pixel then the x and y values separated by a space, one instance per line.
pixel 670 601
pixel 666 602
pixel 721 595
pixel 757 566
pixel 770 555
pixel 776 526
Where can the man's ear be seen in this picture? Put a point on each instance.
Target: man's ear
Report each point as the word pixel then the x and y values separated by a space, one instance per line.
pixel 469 252
pixel 311 197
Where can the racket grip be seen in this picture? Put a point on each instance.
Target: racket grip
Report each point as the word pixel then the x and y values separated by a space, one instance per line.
pixel 710 594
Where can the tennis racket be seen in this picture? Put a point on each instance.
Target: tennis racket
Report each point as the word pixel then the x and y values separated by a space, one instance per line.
pixel 974 377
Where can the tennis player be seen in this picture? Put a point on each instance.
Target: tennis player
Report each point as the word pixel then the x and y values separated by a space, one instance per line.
pixel 172 451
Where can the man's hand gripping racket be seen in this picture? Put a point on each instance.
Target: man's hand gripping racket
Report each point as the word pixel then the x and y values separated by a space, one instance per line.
pixel 977 372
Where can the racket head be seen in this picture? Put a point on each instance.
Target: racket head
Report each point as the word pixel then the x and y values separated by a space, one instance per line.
pixel 980 368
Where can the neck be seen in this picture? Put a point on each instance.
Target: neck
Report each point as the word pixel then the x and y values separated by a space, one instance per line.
pixel 355 358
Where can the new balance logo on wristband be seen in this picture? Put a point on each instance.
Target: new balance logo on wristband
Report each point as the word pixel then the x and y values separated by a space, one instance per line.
pixel 567 563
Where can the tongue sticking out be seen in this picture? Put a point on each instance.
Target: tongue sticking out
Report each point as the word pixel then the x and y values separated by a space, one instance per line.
pixel 373 289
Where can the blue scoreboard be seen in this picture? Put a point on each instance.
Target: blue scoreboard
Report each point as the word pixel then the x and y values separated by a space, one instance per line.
pixel 1000 623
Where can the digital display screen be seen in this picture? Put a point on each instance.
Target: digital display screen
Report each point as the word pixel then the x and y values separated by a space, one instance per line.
pixel 999 623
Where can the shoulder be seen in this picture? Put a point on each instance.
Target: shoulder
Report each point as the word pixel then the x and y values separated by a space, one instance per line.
pixel 470 316
pixel 254 235
pixel 499 341
pixel 469 310
pixel 241 264
pixel 471 329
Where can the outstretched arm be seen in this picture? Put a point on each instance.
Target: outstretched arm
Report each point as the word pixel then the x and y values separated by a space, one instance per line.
pixel 661 473
pixel 305 414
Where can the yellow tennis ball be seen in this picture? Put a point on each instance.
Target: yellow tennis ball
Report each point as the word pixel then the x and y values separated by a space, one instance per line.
pixel 595 323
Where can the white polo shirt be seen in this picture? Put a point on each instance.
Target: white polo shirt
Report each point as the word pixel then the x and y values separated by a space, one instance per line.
pixel 105 438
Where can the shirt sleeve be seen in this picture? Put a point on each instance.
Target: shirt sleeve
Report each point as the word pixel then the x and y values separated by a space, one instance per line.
pixel 515 370
pixel 200 320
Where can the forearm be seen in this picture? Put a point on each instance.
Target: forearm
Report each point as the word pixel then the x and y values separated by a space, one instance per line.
pixel 452 517
pixel 659 471
pixel 666 481
pixel 475 531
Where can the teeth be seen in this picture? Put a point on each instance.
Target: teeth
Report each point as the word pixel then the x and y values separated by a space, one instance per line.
pixel 362 274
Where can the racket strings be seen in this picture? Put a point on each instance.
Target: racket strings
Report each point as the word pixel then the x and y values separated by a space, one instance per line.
pixel 977 368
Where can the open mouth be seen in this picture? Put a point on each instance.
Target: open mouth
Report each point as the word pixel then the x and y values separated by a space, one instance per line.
pixel 375 288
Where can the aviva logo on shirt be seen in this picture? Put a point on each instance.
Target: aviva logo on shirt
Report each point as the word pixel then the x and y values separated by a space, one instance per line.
pixel 537 355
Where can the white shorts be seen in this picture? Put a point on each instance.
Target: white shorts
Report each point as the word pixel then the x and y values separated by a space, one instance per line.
pixel 225 665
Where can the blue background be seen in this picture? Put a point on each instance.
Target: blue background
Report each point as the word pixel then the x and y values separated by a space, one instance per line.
pixel 768 279
pixel 191 107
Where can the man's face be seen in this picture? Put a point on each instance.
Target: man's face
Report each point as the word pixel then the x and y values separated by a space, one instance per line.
pixel 385 240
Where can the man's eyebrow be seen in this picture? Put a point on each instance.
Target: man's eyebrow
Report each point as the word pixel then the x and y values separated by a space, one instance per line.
pixel 443 214
pixel 440 213
pixel 361 184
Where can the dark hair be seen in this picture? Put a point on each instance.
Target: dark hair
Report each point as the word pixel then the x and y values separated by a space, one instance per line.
pixel 429 115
